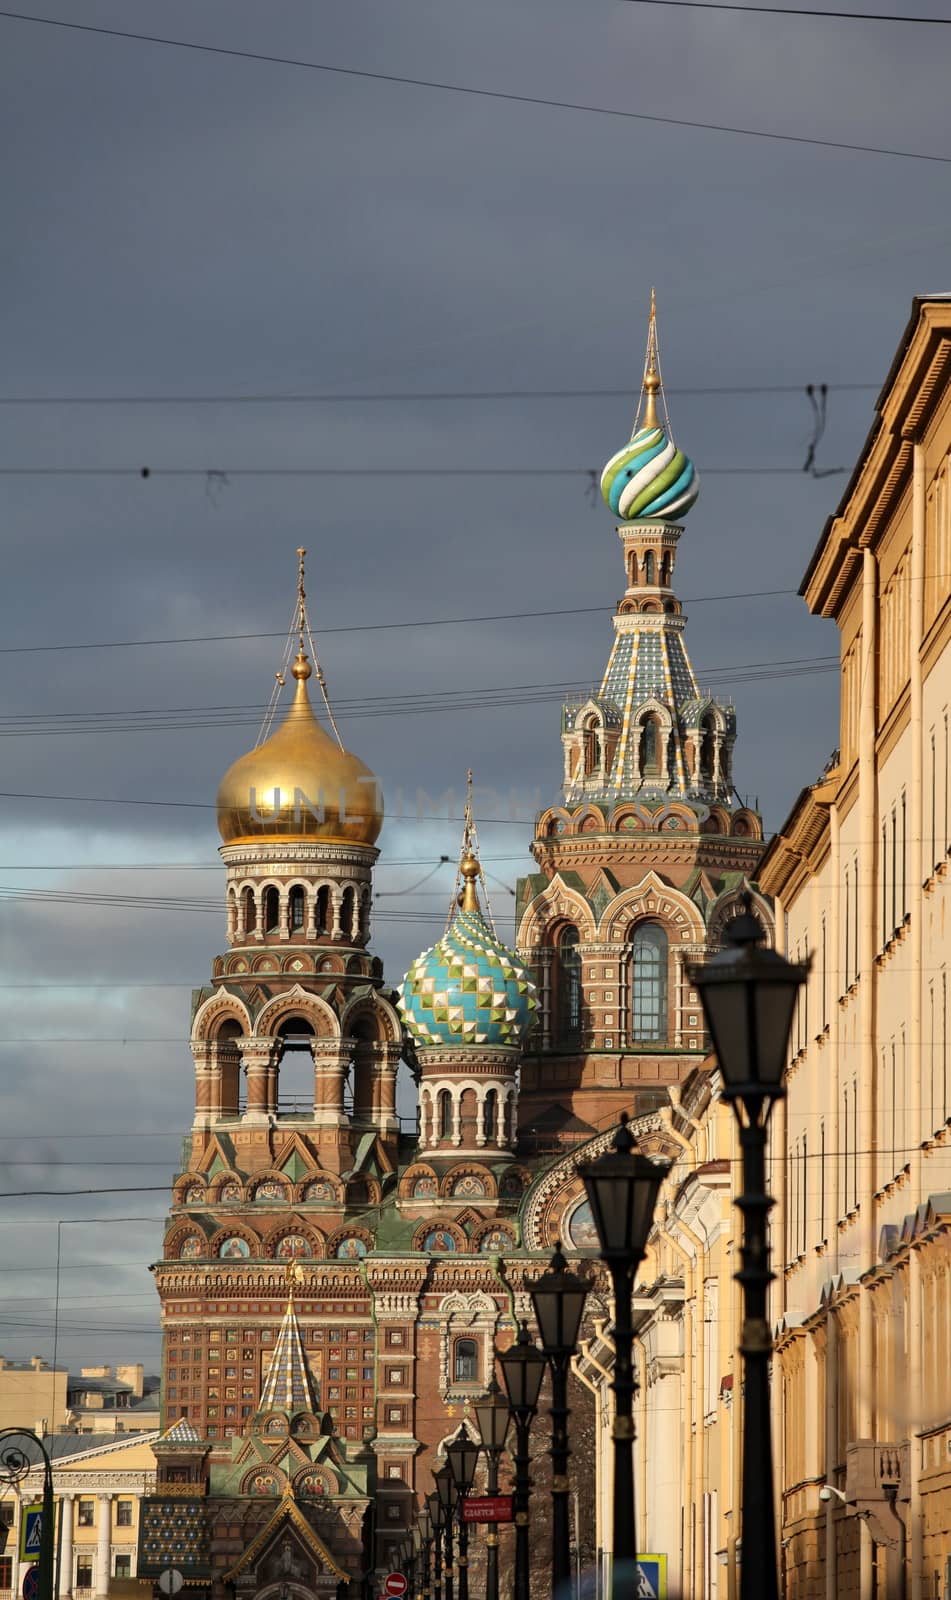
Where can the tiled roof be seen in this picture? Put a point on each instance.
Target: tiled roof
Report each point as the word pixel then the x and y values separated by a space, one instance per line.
pixel 288 1385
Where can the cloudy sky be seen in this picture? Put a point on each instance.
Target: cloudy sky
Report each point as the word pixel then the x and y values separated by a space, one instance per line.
pixel 181 223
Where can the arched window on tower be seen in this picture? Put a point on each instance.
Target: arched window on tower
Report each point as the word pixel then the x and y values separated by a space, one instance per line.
pixel 649 953
pixel 298 908
pixel 590 746
pixel 632 570
pixel 568 987
pixel 346 913
pixel 295 1080
pixel 229 1067
pixel 665 568
pixel 444 1114
pixel 272 910
pixel 649 752
pixel 707 748
pixel 323 909
pixel 649 567
pixel 490 1115
pixel 250 911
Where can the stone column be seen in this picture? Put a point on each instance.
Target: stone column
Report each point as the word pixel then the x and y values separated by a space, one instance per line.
pixel 65 1564
pixel 258 1057
pixel 283 912
pixel 103 1545
pixel 331 1060
pixel 207 1088
pixel 388 1058
pixel 310 932
pixel 336 904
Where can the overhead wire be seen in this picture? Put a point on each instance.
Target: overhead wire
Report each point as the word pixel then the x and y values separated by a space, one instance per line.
pixel 473 91
pixel 402 396
pixel 370 627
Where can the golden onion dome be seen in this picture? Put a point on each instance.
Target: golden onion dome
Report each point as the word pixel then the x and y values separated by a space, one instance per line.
pixel 300 784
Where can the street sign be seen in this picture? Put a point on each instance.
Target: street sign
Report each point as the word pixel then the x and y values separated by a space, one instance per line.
pixel 170 1581
pixel 31 1583
pixel 395 1584
pixel 487 1508
pixel 651 1577
pixel 31 1531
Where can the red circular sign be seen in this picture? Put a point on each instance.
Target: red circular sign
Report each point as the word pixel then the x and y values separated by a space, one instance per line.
pixel 395 1584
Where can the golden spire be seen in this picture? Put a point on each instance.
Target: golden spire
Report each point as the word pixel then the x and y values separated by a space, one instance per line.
pixel 293 1274
pixel 468 861
pixel 651 382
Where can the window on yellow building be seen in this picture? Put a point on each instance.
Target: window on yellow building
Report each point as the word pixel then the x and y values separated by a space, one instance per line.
pixel 123 1514
pixel 86 1518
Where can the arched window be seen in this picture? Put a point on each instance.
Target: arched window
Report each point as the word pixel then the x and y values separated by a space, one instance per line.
pixel 272 910
pixel 591 743
pixel 323 910
pixel 346 914
pixel 569 987
pixel 650 747
pixel 250 911
pixel 298 908
pixel 632 570
pixel 649 984
pixel 490 1115
pixel 707 748
pixel 649 566
pixel 465 1361
pixel 665 568
pixel 444 1114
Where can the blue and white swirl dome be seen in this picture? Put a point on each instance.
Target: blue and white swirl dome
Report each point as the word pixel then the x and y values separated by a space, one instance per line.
pixel 650 478
pixel 468 989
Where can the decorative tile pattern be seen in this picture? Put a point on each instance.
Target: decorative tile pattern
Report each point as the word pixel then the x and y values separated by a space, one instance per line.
pixel 173 1534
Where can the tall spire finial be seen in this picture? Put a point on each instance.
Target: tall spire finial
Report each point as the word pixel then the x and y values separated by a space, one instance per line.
pixel 301 597
pixel 651 381
pixel 468 861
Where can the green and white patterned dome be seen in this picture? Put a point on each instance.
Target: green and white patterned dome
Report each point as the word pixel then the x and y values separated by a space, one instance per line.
pixel 469 988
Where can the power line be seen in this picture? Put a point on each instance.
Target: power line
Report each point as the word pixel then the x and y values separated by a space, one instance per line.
pixel 404 396
pixel 222 475
pixel 796 11
pixel 140 719
pixel 370 627
pixel 474 92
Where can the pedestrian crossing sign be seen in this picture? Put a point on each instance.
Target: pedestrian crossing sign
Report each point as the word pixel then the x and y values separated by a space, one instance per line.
pixel 651 1578
pixel 31 1532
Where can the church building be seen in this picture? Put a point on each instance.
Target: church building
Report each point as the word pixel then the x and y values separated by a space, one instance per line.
pixel 333 1282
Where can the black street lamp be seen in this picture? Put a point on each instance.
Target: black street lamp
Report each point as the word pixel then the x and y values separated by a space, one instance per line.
pixel 748 994
pixel 462 1456
pixel 446 1490
pixel 19 1448
pixel 558 1297
pixel 492 1420
pixel 622 1188
pixel 436 1519
pixel 424 1526
pixel 523 1370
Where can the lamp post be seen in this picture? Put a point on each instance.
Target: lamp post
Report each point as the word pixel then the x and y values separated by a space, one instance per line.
pixel 462 1456
pixel 446 1490
pixel 435 1517
pixel 19 1449
pixel 523 1369
pixel 558 1297
pixel 748 994
pixel 424 1527
pixel 492 1420
pixel 622 1187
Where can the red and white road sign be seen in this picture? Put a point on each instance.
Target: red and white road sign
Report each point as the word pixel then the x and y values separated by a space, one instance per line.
pixel 395 1583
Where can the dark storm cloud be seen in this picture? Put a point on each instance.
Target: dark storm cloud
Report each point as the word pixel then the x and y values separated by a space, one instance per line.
pixel 177 222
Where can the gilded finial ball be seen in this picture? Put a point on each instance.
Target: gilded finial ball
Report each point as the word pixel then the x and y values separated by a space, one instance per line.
pixel 302 667
pixel 469 866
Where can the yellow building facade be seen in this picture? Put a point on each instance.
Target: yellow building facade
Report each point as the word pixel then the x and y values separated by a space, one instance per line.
pixel 862 1146
pixel 98 1489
